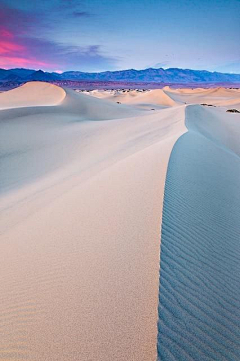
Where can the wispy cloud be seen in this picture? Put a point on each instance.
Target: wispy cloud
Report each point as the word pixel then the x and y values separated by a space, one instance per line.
pixel 229 67
pixel 80 14
pixel 21 46
pixel 163 64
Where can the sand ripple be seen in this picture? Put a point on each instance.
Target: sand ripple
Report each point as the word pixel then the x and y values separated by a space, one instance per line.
pixel 199 308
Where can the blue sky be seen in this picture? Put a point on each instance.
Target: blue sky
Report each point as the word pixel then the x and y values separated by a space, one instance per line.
pixel 93 35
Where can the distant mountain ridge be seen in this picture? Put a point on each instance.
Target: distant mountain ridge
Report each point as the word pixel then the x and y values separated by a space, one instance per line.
pixel 171 75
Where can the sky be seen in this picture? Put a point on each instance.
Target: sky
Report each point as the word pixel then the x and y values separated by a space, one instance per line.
pixel 99 35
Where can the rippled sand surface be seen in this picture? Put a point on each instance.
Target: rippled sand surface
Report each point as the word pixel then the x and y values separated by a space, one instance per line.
pixel 199 306
pixel 82 180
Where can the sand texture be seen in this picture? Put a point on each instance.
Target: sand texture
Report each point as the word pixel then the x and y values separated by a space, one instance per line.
pixel 82 180
pixel 81 195
pixel 199 306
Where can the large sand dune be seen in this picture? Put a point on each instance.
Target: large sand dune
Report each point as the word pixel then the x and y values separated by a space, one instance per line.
pixel 80 223
pixel 81 189
pixel 199 307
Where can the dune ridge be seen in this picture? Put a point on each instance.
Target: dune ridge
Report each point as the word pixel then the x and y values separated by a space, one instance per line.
pixel 199 295
pixel 169 97
pixel 156 98
pixel 79 271
pixel 215 96
pixel 81 190
pixel 32 94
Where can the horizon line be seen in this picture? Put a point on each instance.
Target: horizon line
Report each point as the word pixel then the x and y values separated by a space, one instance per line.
pixel 112 71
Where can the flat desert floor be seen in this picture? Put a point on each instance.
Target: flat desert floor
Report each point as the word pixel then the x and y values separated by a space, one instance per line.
pixel 100 193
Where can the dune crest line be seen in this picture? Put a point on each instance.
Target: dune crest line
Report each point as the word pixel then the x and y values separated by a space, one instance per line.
pixel 199 297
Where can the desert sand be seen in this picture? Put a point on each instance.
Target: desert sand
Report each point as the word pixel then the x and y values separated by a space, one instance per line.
pixel 34 94
pixel 81 190
pixel 199 298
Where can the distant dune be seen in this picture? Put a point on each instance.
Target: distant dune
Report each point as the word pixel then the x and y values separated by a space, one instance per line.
pixel 32 94
pixel 217 96
pixel 156 97
pixel 82 178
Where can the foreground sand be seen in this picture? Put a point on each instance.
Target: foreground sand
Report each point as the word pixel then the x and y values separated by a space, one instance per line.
pixel 80 220
pixel 82 183
pixel 199 306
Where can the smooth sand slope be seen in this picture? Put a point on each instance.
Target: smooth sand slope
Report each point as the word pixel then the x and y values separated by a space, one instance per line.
pixel 229 98
pixel 32 94
pixel 199 307
pixel 81 190
pixel 168 97
pixel 148 99
pixel 81 193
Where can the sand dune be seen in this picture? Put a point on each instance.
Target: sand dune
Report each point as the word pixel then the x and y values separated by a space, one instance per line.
pixel 200 253
pixel 81 189
pixel 147 99
pixel 80 226
pixel 214 96
pixel 91 108
pixel 168 97
pixel 32 94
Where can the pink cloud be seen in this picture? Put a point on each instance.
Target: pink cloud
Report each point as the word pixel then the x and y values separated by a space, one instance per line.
pixel 5 33
pixel 10 61
pixel 7 47
pixel 12 49
pixel 21 44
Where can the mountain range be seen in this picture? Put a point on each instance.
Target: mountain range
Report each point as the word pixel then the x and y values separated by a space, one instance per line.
pixel 150 75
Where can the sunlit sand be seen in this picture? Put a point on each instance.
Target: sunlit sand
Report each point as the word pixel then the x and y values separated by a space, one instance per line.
pixel 82 189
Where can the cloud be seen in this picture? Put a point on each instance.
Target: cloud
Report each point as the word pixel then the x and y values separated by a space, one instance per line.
pixel 70 4
pixel 16 21
pixel 34 52
pixel 80 14
pixel 18 48
pixel 230 67
pixel 163 64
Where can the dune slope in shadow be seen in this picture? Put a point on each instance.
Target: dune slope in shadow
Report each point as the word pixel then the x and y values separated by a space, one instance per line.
pixel 199 317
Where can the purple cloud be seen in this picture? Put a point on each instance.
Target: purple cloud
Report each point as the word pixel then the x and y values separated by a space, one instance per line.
pixel 18 48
